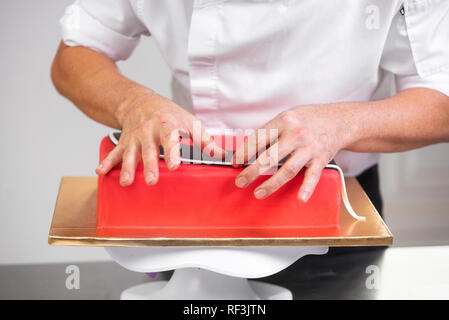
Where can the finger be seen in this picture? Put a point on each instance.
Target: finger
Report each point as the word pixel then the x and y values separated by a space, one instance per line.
pixel 268 159
pixel 246 151
pixel 311 178
pixel 150 159
pixel 256 143
pixel 204 141
pixel 210 148
pixel 286 172
pixel 169 137
pixel 112 159
pixel 131 157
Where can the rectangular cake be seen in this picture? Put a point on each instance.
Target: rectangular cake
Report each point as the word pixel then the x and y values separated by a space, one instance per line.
pixel 198 196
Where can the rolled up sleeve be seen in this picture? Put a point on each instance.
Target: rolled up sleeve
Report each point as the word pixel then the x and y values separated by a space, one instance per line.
pixel 417 47
pixel 107 26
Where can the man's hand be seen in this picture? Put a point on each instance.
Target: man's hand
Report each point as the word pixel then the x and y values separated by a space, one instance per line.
pixel 147 121
pixel 92 81
pixel 309 135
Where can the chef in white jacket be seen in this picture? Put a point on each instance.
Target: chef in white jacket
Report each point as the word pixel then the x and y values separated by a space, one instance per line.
pixel 320 73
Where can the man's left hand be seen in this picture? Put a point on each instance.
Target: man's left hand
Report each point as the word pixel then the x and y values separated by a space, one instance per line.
pixel 309 136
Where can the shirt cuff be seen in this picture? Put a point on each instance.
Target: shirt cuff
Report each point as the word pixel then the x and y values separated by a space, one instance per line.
pixel 438 81
pixel 81 29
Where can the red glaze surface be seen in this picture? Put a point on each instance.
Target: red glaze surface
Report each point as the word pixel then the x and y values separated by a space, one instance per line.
pixel 199 200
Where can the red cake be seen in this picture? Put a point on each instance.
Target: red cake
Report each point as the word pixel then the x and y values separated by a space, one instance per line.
pixel 204 197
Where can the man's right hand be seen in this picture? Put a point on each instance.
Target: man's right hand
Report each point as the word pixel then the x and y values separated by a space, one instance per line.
pixel 147 121
pixel 92 81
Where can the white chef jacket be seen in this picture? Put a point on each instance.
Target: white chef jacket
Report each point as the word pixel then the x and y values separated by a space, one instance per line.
pixel 238 63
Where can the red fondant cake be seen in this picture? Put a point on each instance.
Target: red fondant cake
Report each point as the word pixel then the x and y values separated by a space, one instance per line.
pixel 205 197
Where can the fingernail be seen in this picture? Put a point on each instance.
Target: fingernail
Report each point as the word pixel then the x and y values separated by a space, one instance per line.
pixel 241 182
pixel 172 164
pixel 149 177
pixel 100 168
pixel 259 194
pixel 124 178
pixel 304 196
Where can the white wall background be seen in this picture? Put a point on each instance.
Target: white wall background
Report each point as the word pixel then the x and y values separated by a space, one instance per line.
pixel 43 137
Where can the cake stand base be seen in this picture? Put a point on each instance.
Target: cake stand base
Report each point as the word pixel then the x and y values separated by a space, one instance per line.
pixel 201 284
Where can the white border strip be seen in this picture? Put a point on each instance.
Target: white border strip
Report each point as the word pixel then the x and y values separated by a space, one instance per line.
pixel 344 194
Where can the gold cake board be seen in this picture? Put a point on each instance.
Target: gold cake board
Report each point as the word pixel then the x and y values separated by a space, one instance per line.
pixel 75 224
